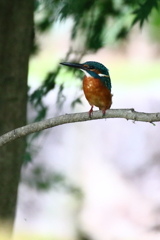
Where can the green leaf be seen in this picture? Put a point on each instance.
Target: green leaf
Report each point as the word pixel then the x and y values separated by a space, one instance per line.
pixel 143 11
pixel 77 100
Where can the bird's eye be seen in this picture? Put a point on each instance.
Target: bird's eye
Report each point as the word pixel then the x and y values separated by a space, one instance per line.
pixel 91 67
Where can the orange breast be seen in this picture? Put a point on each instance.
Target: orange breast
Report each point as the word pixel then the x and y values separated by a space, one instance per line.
pixel 96 93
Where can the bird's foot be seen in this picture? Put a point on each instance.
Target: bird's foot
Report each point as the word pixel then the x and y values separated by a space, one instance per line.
pixel 103 112
pixel 90 112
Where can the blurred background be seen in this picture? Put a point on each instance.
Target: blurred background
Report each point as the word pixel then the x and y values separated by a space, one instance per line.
pixel 99 179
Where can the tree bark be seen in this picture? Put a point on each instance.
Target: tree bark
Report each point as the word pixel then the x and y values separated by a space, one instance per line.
pixel 16 24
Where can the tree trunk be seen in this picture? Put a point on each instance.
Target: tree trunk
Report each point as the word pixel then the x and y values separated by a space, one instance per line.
pixel 16 24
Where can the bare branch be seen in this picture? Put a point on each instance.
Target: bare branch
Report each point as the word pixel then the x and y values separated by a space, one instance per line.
pixel 128 114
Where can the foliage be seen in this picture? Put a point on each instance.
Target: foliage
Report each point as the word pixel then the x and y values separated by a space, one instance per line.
pixel 93 25
pixel 154 32
pixel 42 179
pixel 144 10
pixel 36 97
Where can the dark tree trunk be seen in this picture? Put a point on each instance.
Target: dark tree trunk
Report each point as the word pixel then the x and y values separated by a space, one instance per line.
pixel 16 24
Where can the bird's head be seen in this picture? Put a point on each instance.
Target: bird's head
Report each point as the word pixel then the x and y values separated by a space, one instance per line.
pixel 90 68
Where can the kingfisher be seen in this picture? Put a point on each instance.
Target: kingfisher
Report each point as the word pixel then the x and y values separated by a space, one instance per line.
pixel 96 84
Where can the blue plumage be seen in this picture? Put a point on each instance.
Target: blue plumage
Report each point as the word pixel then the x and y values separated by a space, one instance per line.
pixel 98 66
pixel 107 82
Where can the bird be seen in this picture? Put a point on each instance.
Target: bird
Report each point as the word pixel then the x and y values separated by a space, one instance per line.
pixel 96 84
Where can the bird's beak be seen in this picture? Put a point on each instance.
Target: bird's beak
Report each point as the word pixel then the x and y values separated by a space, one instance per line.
pixel 74 65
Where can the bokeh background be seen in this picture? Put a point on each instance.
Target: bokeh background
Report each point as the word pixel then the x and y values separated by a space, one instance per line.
pixel 97 179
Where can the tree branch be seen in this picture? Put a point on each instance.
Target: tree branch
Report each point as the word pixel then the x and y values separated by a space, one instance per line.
pixel 128 114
